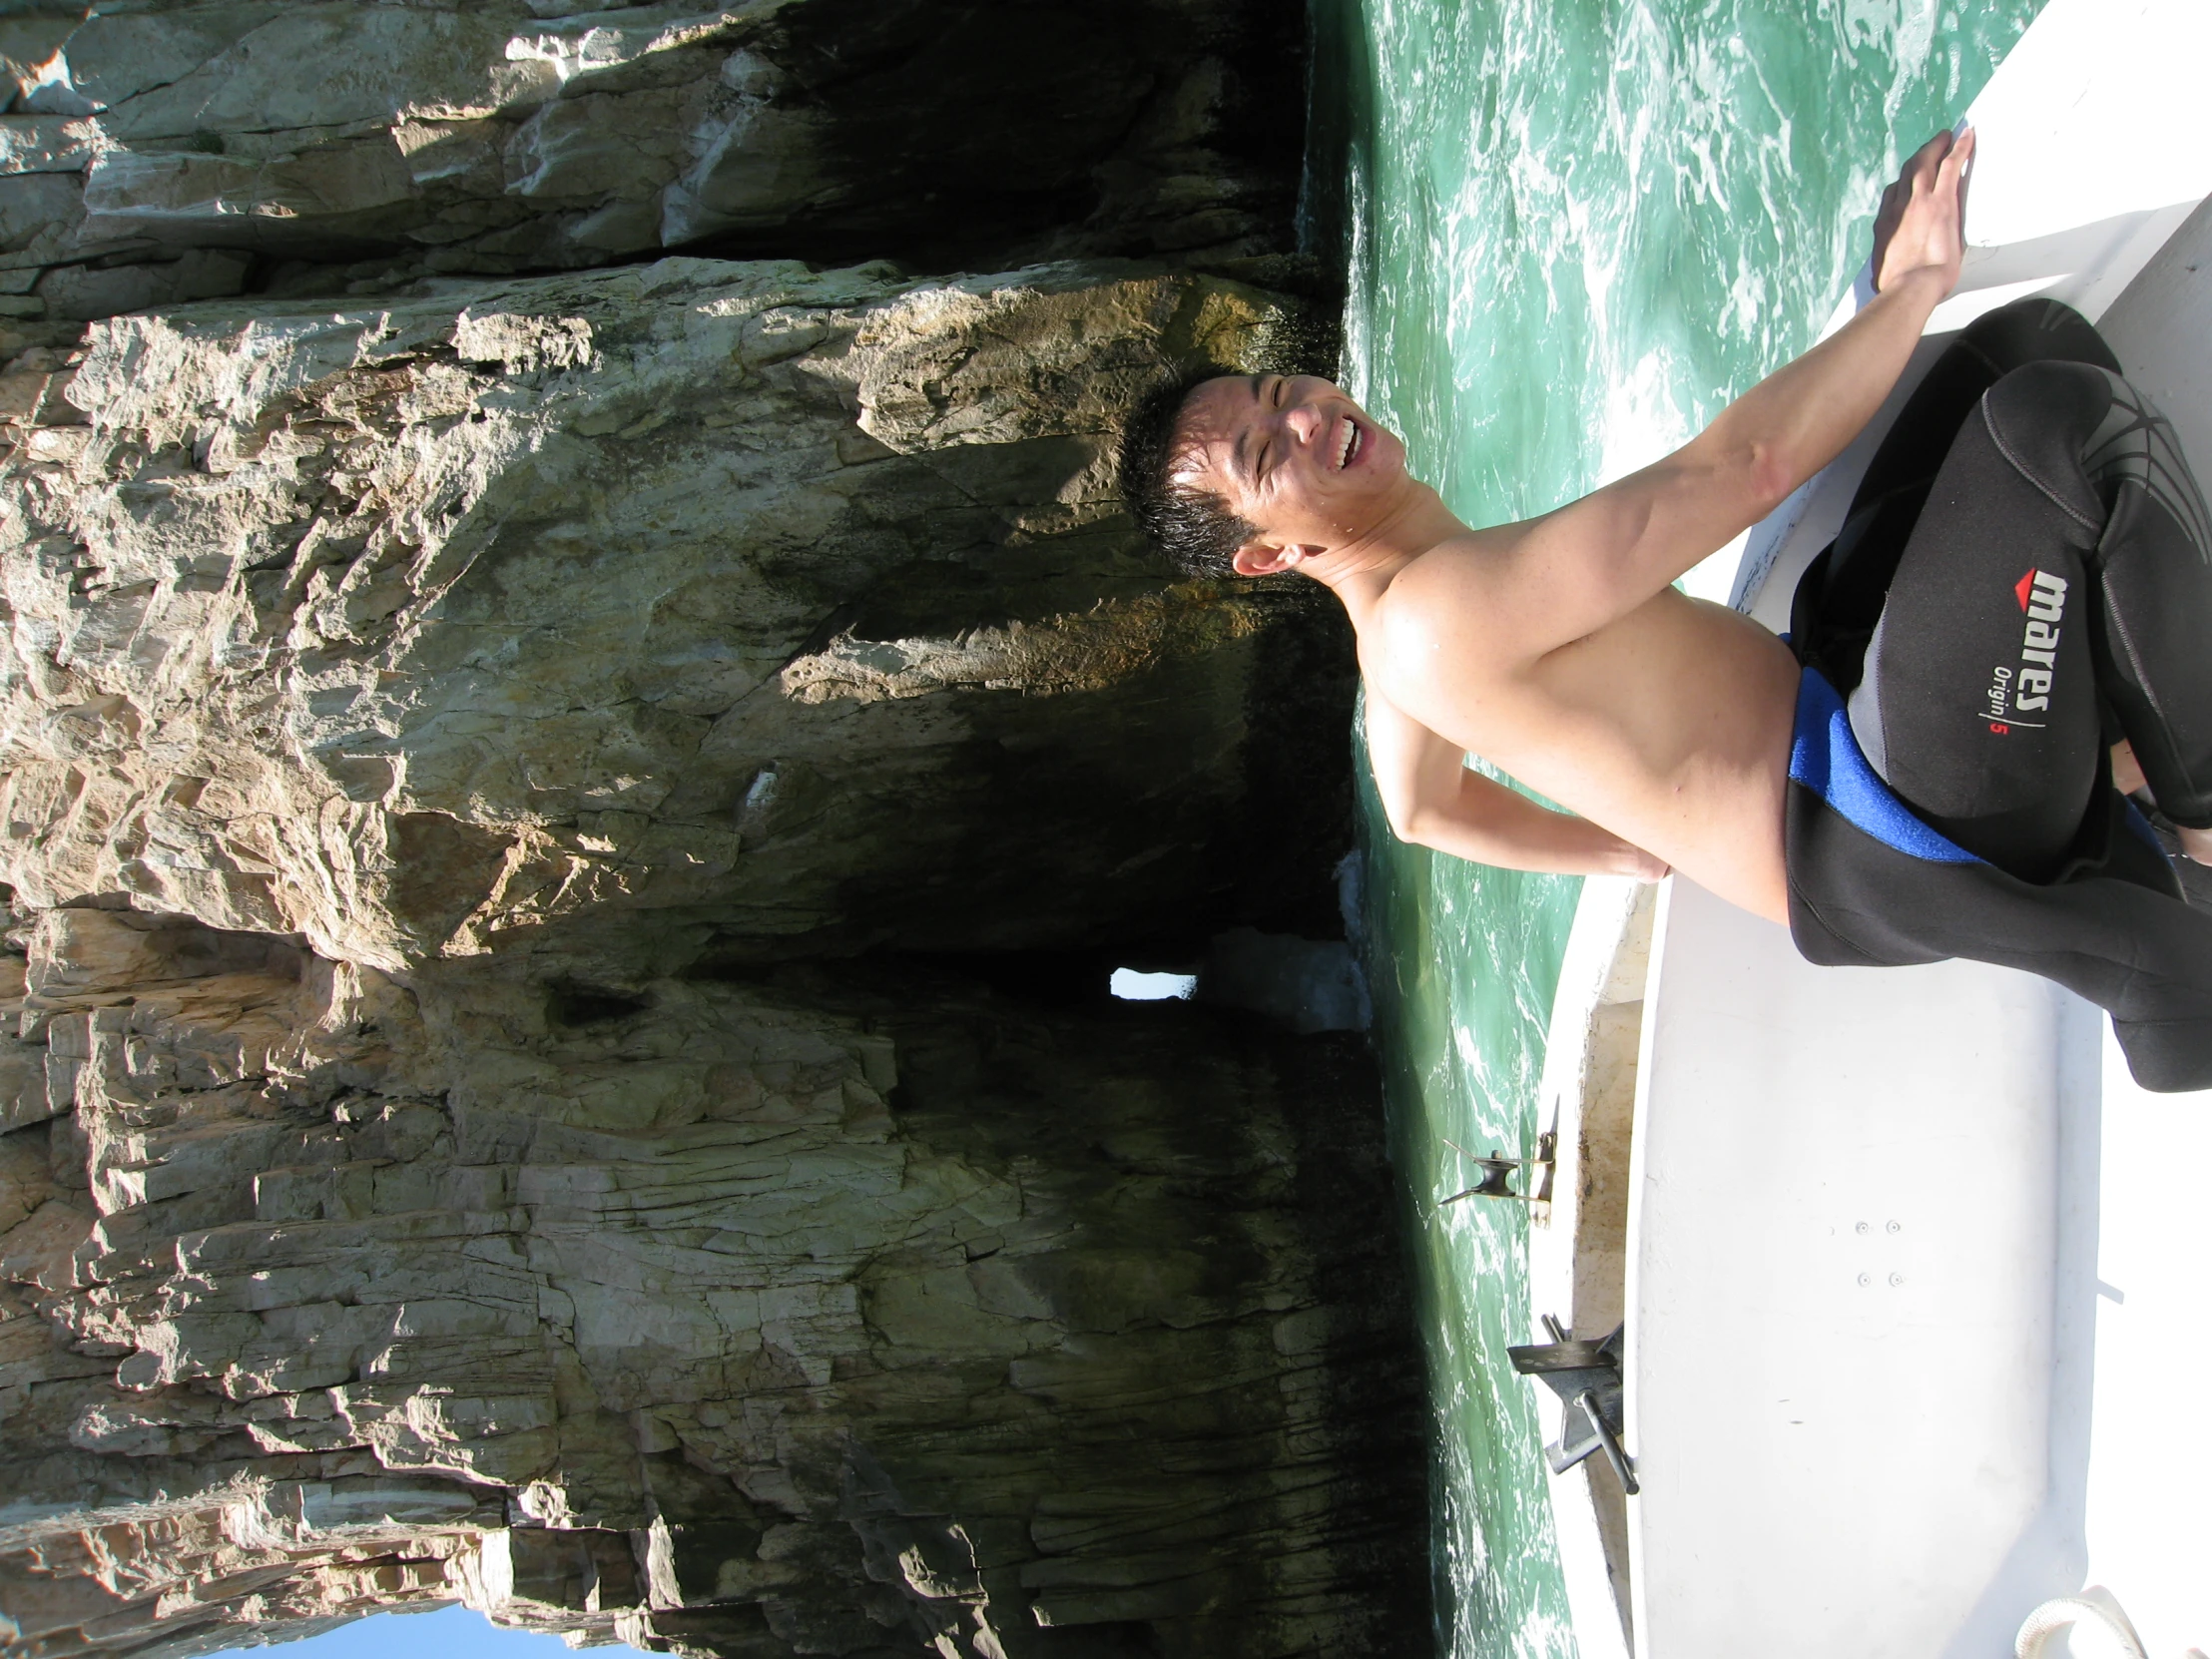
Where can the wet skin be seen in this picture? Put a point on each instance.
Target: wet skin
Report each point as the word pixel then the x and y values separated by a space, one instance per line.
pixel 1667 725
pixel 1556 647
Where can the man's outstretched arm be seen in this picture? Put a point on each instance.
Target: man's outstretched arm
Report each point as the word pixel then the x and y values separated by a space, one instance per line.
pixel 1571 572
pixel 1798 419
pixel 1433 799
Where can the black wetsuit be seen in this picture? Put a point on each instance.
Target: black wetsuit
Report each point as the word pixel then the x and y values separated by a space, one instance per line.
pixel 2025 577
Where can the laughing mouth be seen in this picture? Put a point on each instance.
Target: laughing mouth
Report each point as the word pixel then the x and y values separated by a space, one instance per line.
pixel 1353 440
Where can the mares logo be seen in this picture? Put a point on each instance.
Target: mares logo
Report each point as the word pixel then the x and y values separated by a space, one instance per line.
pixel 2043 597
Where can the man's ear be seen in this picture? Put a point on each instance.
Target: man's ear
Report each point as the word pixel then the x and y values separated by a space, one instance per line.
pixel 1267 558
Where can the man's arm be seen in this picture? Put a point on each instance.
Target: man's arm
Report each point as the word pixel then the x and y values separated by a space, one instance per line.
pixel 1433 799
pixel 1569 573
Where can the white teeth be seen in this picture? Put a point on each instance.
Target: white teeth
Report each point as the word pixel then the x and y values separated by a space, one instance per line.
pixel 1351 437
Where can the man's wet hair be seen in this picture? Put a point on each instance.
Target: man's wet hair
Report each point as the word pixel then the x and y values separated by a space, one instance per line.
pixel 1192 526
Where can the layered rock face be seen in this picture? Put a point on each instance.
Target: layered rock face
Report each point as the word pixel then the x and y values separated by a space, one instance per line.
pixel 706 1313
pixel 176 152
pixel 565 828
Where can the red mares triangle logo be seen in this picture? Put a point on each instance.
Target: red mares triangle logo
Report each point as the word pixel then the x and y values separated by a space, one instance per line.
pixel 2021 589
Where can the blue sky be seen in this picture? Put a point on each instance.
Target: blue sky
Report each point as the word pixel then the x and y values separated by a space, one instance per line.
pixel 448 1633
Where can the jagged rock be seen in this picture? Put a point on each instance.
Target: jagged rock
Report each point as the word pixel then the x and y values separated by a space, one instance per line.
pixel 419 625
pixel 564 835
pixel 502 136
pixel 923 1319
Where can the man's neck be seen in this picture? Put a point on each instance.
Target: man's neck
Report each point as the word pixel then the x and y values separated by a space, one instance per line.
pixel 1360 572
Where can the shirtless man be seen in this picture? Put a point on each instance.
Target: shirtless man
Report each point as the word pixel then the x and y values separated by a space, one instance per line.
pixel 1558 648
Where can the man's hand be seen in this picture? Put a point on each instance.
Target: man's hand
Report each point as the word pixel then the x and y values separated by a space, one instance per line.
pixel 1642 866
pixel 1921 225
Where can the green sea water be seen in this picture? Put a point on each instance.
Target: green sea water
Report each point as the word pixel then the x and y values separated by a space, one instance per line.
pixel 1577 229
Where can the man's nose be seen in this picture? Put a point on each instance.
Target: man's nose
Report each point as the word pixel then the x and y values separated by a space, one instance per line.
pixel 1303 420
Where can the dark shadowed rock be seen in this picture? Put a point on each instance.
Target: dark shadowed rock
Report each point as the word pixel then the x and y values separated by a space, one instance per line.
pixel 503 136
pixel 851 1311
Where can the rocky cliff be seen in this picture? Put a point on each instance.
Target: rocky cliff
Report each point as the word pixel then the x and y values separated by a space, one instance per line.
pixel 566 810
pixel 162 151
pixel 833 1313
pixel 412 624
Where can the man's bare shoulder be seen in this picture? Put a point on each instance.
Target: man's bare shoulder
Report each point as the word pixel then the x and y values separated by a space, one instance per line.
pixel 1455 601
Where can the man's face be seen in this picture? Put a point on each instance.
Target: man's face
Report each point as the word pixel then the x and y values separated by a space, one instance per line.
pixel 1294 456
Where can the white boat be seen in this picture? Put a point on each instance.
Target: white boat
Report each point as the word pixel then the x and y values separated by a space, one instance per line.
pixel 1918 1284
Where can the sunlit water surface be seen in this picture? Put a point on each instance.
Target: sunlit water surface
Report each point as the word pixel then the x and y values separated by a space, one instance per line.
pixel 1577 229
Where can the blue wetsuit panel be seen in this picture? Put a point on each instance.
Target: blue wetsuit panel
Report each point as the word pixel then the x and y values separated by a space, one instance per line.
pixel 1826 758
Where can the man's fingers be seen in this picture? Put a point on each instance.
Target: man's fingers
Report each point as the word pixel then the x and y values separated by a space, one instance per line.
pixel 1927 163
pixel 1954 177
pixel 1965 181
pixel 1961 156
